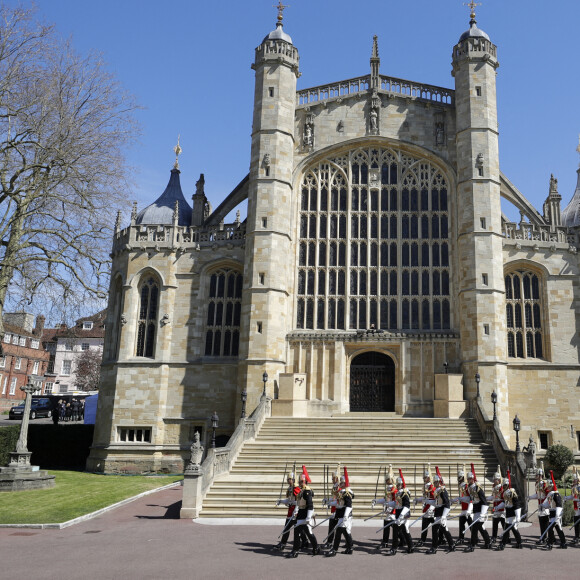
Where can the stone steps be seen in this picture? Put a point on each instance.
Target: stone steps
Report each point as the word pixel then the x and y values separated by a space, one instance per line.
pixel 362 443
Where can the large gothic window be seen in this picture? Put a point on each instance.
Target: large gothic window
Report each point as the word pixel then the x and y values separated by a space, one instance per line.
pixel 374 243
pixel 224 308
pixel 148 314
pixel 524 314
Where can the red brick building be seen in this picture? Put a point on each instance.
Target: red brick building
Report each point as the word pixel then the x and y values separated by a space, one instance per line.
pixel 22 354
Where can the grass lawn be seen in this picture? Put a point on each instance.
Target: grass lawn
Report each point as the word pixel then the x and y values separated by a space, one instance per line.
pixel 75 494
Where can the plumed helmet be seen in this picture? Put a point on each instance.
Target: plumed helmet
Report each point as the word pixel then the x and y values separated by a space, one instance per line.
pixel 291 476
pixel 506 482
pixel 497 474
pixel 389 476
pixel 336 471
pixel 344 478
pixel 305 474
pixel 470 476
pixel 399 481
pixel 436 479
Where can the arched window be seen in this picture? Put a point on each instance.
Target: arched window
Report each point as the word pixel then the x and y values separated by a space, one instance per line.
pixel 148 314
pixel 397 244
pixel 222 336
pixel 525 337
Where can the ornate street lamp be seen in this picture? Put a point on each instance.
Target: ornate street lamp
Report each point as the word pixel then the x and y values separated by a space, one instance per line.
pixel 244 397
pixel 477 380
pixel 446 366
pixel 215 422
pixel 517 430
pixel 494 401
pixel 265 379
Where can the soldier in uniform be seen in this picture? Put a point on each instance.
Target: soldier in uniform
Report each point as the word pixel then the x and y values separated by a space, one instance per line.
pixel 575 497
pixel 554 503
pixel 540 495
pixel 291 494
pixel 402 511
pixel 343 504
pixel 442 509
pixel 304 516
pixel 466 505
pixel 497 499
pixel 428 505
pixel 480 507
pixel 511 503
pixel 329 502
pixel 389 502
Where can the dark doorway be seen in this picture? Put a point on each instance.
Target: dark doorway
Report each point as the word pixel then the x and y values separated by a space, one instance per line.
pixel 372 383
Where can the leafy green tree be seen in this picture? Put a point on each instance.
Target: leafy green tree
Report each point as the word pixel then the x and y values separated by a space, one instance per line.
pixel 558 458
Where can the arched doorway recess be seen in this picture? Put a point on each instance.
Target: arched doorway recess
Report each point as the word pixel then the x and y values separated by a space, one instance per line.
pixel 372 383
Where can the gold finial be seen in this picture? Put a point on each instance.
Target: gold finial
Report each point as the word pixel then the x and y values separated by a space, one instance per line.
pixel 578 148
pixel 281 7
pixel 178 151
pixel 472 5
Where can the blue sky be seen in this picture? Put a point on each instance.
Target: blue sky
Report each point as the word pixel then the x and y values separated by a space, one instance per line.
pixel 188 64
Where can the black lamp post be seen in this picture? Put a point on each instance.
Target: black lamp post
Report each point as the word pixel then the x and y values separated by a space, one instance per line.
pixel 215 421
pixel 517 430
pixel 244 397
pixel 265 379
pixel 494 401
pixel 446 366
pixel 477 380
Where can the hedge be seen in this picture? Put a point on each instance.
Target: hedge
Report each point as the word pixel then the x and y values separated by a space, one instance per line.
pixel 52 446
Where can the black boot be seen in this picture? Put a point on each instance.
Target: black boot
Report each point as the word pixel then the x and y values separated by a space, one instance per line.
pixel 292 554
pixel 470 548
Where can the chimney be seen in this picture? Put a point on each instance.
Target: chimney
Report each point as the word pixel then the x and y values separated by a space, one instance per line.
pixel 39 326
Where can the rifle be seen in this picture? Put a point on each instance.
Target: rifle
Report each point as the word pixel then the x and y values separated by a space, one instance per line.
pixel 282 486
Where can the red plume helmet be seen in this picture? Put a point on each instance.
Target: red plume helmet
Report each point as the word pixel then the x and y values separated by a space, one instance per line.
pixel 439 474
pixel 346 481
pixel 509 477
pixel 305 474
pixel 553 481
pixel 401 474
pixel 473 471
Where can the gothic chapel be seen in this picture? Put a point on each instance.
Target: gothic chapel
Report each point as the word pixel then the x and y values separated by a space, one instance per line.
pixel 374 260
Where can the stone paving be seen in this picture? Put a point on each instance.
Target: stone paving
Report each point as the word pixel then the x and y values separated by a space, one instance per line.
pixel 146 540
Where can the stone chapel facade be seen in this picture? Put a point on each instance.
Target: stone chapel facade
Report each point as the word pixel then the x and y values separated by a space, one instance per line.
pixel 374 258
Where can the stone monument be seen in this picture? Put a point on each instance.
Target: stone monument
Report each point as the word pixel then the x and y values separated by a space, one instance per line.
pixel 20 475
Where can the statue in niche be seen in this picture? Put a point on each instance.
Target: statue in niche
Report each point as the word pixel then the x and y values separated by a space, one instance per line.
pixel 440 134
pixel 374 121
pixel 196 453
pixel 308 135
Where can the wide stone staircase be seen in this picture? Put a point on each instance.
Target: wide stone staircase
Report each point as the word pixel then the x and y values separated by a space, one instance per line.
pixel 363 442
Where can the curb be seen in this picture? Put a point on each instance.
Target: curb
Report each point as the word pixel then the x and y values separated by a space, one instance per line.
pixel 92 514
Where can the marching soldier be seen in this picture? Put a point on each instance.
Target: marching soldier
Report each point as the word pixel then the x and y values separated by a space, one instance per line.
pixel 344 515
pixel 540 495
pixel 554 503
pixel 442 509
pixel 402 511
pixel 480 507
pixel 428 505
pixel 329 502
pixel 511 503
pixel 497 499
pixel 304 516
pixel 575 497
pixel 291 494
pixel 466 505
pixel 389 502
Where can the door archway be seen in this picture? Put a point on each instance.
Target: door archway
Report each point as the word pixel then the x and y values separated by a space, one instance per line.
pixel 372 383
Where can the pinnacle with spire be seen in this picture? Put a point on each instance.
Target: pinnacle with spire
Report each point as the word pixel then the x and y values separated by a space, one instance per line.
pixel 472 5
pixel 281 7
pixel 375 64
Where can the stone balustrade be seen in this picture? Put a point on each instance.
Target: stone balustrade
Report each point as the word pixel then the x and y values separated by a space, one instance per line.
pixel 390 85
pixel 178 237
pixel 537 232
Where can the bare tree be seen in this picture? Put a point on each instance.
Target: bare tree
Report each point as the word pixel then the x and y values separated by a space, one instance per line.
pixel 88 370
pixel 64 122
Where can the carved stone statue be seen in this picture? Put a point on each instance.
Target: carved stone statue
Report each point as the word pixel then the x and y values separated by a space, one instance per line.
pixel 530 450
pixel 200 184
pixel 374 116
pixel 308 136
pixel 196 456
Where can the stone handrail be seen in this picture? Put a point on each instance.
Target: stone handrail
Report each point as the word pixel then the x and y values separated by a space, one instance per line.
pixel 493 435
pixel 220 459
pixel 389 85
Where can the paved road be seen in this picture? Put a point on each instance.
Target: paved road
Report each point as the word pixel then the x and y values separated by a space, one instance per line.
pixel 145 540
pixel 5 422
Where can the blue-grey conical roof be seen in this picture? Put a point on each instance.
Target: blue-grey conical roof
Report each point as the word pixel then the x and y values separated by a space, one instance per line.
pixel 571 215
pixel 160 212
